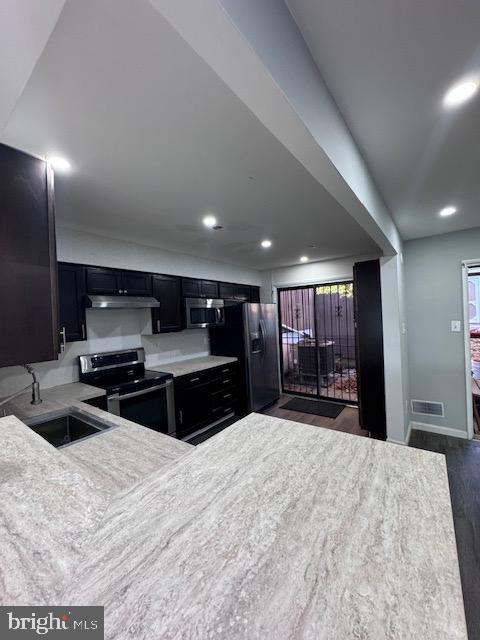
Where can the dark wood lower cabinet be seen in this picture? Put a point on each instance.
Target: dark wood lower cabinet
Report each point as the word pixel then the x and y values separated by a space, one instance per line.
pixel 28 286
pixel 369 347
pixel 205 397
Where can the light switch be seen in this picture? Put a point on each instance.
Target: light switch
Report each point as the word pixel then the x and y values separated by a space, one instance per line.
pixel 456 326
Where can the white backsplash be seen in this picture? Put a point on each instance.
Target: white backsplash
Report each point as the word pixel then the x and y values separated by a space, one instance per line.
pixel 110 330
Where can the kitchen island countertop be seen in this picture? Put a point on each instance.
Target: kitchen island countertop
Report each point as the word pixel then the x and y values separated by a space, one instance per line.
pixel 273 529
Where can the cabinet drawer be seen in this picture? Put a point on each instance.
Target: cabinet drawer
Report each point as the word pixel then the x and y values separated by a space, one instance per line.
pixel 228 370
pixel 197 378
pixel 219 412
pixel 224 397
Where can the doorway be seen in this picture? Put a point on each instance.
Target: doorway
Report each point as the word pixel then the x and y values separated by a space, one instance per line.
pixel 317 336
pixel 472 342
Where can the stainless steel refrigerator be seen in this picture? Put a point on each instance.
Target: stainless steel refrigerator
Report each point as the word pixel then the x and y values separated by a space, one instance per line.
pixel 251 334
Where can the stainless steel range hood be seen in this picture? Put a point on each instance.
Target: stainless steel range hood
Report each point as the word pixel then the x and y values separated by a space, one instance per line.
pixel 121 302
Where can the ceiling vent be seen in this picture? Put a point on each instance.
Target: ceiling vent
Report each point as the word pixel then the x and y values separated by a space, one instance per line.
pixel 426 408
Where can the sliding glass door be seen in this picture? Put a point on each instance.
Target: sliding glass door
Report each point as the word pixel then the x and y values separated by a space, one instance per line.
pixel 317 332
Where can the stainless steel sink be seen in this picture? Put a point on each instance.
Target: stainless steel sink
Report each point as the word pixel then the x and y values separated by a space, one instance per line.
pixel 62 428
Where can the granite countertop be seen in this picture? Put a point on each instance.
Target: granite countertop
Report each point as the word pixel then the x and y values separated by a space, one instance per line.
pixel 48 510
pixel 53 499
pixel 273 529
pixel 115 459
pixel 192 365
pixel 53 399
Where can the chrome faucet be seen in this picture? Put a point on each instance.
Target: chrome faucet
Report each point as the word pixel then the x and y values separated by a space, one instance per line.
pixel 36 399
pixel 35 386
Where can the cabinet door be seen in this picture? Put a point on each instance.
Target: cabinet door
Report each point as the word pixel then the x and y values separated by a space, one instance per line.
pixel 226 291
pixel 190 288
pixel 208 289
pixel 104 281
pixel 254 294
pixel 168 291
pixel 71 291
pixel 28 263
pixel 242 292
pixel 193 407
pixel 136 283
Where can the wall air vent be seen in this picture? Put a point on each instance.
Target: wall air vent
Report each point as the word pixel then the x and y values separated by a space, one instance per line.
pixel 426 408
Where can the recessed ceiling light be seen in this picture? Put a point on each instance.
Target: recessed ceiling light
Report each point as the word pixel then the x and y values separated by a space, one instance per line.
pixel 304 259
pixel 460 93
pixel 448 211
pixel 266 244
pixel 58 163
pixel 210 221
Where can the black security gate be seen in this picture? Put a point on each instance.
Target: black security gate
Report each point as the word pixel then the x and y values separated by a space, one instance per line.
pixel 317 347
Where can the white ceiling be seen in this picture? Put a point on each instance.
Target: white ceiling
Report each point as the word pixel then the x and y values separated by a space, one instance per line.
pixel 156 140
pixel 387 64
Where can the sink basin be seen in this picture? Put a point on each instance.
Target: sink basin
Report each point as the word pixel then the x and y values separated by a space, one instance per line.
pixel 62 428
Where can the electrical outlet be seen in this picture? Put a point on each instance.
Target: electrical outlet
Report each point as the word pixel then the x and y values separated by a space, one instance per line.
pixel 456 326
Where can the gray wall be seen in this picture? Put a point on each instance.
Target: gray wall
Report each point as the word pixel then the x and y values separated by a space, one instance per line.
pixel 433 288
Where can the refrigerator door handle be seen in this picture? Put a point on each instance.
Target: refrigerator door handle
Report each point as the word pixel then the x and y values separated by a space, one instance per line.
pixel 264 336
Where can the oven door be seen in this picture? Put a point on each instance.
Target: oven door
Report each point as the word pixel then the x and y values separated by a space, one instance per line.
pixel 153 408
pixel 202 313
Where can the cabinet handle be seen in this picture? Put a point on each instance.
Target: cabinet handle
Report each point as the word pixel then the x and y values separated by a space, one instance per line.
pixel 180 416
pixel 158 326
pixel 120 291
pixel 64 340
pixel 194 379
pixel 125 291
pixel 225 370
pixel 227 395
pixel 84 335
pixel 226 381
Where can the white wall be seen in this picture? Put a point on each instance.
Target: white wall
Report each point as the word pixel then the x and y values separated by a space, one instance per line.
pixel 395 350
pixel 87 248
pixel 110 330
pixel 316 272
pixel 433 288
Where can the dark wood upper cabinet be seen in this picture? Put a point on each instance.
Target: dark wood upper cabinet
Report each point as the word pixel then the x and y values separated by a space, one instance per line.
pixel 208 289
pixel 238 292
pixel 242 292
pixel 369 347
pixel 254 294
pixel 104 281
pixel 169 317
pixel 226 291
pixel 28 286
pixel 71 294
pixel 136 283
pixel 190 288
pixel 193 288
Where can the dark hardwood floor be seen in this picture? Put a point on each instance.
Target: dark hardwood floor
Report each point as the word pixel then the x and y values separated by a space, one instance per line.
pixel 463 465
pixel 347 421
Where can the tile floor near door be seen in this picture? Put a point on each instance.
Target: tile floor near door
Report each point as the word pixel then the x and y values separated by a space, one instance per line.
pixel 346 421
pixel 463 465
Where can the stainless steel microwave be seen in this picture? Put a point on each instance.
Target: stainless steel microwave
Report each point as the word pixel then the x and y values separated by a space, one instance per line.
pixel 204 312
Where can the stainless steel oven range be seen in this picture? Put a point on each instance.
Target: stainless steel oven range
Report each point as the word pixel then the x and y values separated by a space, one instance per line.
pixel 133 392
